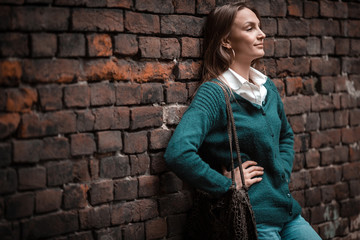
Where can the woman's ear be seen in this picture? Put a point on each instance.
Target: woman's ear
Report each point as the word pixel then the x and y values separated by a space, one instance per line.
pixel 226 43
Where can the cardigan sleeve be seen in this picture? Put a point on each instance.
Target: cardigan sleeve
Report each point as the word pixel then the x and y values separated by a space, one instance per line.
pixel 182 155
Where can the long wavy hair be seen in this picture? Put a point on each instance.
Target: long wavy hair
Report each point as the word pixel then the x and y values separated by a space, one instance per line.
pixel 217 58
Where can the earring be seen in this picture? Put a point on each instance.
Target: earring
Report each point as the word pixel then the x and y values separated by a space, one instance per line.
pixel 233 52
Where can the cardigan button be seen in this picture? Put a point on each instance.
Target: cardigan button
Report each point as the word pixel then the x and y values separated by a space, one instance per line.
pixel 290 213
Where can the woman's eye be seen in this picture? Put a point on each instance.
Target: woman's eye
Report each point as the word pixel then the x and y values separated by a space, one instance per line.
pixel 249 29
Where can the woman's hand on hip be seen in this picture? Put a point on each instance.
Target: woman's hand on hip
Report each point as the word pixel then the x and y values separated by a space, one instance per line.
pixel 252 174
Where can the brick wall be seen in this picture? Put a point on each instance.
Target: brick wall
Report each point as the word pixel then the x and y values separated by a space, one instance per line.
pixel 92 90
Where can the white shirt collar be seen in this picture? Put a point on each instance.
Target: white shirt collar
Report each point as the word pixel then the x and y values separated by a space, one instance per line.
pixel 236 81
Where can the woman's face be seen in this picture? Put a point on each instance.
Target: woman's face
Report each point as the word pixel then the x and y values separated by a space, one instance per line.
pixel 246 37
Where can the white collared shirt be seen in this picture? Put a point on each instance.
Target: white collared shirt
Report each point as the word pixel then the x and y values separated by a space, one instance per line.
pixel 255 93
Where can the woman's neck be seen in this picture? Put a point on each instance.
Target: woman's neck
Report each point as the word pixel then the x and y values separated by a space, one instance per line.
pixel 243 69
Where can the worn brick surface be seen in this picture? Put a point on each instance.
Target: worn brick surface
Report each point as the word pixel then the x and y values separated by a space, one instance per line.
pixel 91 91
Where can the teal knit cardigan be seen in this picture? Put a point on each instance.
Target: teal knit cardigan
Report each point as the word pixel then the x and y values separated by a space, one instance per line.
pixel 200 145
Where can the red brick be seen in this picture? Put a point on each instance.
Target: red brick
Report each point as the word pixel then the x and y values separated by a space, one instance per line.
pixel 312 197
pixel 151 116
pixel 205 6
pixel 347 101
pixel 110 20
pixel 59 172
pixel 95 3
pixel 97 217
pixel 322 176
pixel 278 8
pixel 173 114
pixel 127 94
pixel 341 191
pixel 84 120
pixel 111 118
pixel 70 2
pixel 77 95
pixel 189 69
pixel 324 27
pixel 293 85
pixel 184 6
pixel 269 47
pixel 327 45
pixel 295 8
pixel 71 45
pixel 99 45
pixel 10 72
pixel 342 46
pixel 301 142
pixel 125 44
pixel 109 141
pixel 176 92
pixel 293 27
pixel 327 84
pixel 312 158
pixel 341 118
pixel 325 138
pixel 145 71
pixel 149 47
pixel 170 48
pixel 353 9
pixel 148 186
pixel 177 24
pixel 321 103
pixel 75 196
pixel 156 228
pixel 170 183
pixel 297 104
pixel 114 167
pixel 134 211
pixel 52 71
pixel 81 170
pixel 9 122
pixel 328 193
pixel 48 200
pixel 5 154
pixel 292 66
pixel 351 65
pixel 190 47
pixel 8 181
pixel 350 135
pixel 351 171
pixel 299 162
pixel 55 148
pixel 327 156
pixel 176 224
pixel 282 47
pixel 125 189
pixel 157 6
pixel 139 163
pixel 94 168
pixel 82 144
pixel 120 3
pixel 355 49
pixel 313 45
pixel 21 99
pixel 159 138
pixel 142 23
pixel 32 178
pixel 333 9
pixel 330 66
pixel 50 97
pixel 174 203
pixel 269 26
pixel 300 180
pixel 19 205
pixel 353 28
pixel 151 93
pixel 298 47
pixel 135 142
pixel 42 18
pixel 349 207
pixel 326 120
pixel 101 192
pixel 354 188
pixel 8 40
pixel 27 150
pixel 102 93
pixel 355 117
pixel 297 123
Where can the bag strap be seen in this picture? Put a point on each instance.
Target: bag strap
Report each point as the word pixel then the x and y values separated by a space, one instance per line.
pixel 231 128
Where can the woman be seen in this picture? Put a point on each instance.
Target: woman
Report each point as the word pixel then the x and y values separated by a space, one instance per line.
pixel 198 151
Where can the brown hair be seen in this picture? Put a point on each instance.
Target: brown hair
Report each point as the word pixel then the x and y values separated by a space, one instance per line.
pixel 217 59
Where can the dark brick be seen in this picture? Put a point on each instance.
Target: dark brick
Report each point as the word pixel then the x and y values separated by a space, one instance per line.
pixel 324 27
pixel 43 44
pixel 135 142
pixel 146 117
pixel 148 186
pixel 176 92
pixel 50 97
pixel 157 6
pixel 81 236
pixel 297 123
pixel 134 211
pixel 341 191
pixel 81 170
pixel 142 23
pixel 19 205
pixel 125 44
pixel 299 196
pixel 325 138
pixel 5 154
pixel 9 122
pixel 300 180
pixel 10 231
pixel 32 178
pixel 292 66
pixel 297 104
pixel 342 46
pixel 321 66
pixel 127 94
pixel 59 172
pixel 327 120
pixel 156 228
pixel 102 94
pixel 312 197
pixel 48 200
pixel 70 2
pixel 139 164
pixel 159 138
pixel 176 224
pixel 51 225
pixel 85 120
pixel 328 193
pixel 170 48
pixel 327 45
pixel 110 20
pixel 299 161
pixel 293 27
pixel 125 189
pixel 170 183
pixel 55 148
pixel 77 96
pixel 333 9
pixel 341 118
pixel 351 65
pixel 75 196
pixel 99 45
pixel 149 47
pixel 8 40
pixel 301 142
pixel 184 6
pixel 111 118
pixel 349 207
pixel 350 135
pixel 312 158
pixel 351 171
pixel 114 167
pixel 313 45
pixel 27 150
pixel 189 69
pixel 174 203
pixel 269 47
pixel 8 181
pixel 323 176
pixel 42 18
pixel 177 24
pixel 269 26
pixel 21 99
pixel 101 192
pixel 355 117
pixel 134 231
pixel 282 48
pixel 109 141
pixel 71 45
pixel 82 144
pixel 298 47
pixel 190 47
pixel 321 103
pixel 354 188
pixel 94 169
pixel 109 233
pixel 151 93
pixel 5 18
